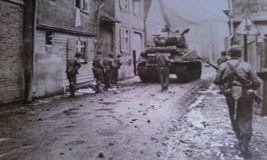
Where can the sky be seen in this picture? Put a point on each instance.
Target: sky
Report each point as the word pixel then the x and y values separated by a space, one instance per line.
pixel 199 9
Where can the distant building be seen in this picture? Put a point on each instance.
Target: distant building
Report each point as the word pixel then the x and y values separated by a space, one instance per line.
pixel 122 31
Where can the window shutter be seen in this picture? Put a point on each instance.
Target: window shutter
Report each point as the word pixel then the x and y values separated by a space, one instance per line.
pixel 71 48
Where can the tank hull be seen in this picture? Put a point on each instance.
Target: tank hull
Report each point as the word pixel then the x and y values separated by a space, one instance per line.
pixel 184 71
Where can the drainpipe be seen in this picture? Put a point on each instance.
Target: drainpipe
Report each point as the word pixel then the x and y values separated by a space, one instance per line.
pixel 98 7
pixel 29 21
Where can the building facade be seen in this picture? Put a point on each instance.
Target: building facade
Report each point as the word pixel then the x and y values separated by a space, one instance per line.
pixel 122 32
pixel 58 39
pixel 11 51
pixel 39 36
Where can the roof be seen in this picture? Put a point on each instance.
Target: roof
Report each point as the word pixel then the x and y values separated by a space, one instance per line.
pixel 108 18
pixel 261 17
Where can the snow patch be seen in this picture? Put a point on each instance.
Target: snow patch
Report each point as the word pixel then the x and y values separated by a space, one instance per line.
pixel 196 118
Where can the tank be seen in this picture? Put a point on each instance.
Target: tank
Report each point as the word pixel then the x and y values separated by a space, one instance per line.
pixel 186 64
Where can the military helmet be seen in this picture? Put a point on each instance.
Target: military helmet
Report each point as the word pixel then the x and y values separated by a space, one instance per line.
pixel 110 55
pixel 235 51
pixel 223 53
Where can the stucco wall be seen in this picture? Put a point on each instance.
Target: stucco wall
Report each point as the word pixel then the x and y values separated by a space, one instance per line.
pixel 134 24
pixel 61 14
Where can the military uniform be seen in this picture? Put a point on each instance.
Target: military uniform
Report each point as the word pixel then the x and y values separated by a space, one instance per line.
pixel 72 70
pixel 108 63
pixel 221 60
pixel 98 71
pixel 235 74
pixel 117 64
pixel 163 68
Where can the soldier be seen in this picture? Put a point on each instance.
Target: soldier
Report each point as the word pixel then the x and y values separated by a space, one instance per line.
pixel 98 70
pixel 108 63
pixel 239 81
pixel 73 66
pixel 116 68
pixel 163 67
pixel 222 59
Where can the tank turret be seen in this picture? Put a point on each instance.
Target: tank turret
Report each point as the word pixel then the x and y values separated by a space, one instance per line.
pixel 186 66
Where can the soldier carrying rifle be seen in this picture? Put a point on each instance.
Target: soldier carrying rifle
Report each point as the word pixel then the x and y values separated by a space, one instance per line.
pixel 239 83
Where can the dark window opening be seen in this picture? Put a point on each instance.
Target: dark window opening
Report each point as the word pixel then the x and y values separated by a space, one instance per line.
pixel 78 3
pixel 48 37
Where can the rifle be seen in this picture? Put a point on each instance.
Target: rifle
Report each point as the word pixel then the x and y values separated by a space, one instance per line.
pixel 212 65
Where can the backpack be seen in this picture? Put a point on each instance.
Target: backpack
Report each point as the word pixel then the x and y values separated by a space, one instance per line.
pixel 236 86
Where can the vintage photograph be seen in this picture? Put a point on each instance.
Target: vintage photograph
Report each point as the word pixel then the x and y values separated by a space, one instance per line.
pixel 133 80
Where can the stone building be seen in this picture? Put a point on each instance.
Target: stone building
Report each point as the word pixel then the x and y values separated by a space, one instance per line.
pixel 121 31
pixel 11 51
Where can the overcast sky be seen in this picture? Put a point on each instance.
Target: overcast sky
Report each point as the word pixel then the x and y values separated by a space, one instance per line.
pixel 199 9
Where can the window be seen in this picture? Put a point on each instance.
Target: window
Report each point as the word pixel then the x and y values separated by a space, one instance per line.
pixel 80 47
pixel 125 4
pixel 83 5
pixel 137 7
pixel 125 44
pixel 48 37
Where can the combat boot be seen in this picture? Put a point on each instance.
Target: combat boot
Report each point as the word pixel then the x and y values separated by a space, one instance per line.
pixel 244 148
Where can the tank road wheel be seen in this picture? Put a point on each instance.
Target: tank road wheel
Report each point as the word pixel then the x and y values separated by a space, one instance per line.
pixel 147 74
pixel 197 70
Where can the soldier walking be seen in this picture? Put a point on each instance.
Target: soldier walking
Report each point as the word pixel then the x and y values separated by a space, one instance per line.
pixel 108 63
pixel 239 82
pixel 73 65
pixel 163 67
pixel 98 71
pixel 117 64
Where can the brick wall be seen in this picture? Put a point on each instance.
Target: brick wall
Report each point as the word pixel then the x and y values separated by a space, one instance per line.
pixel 11 52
